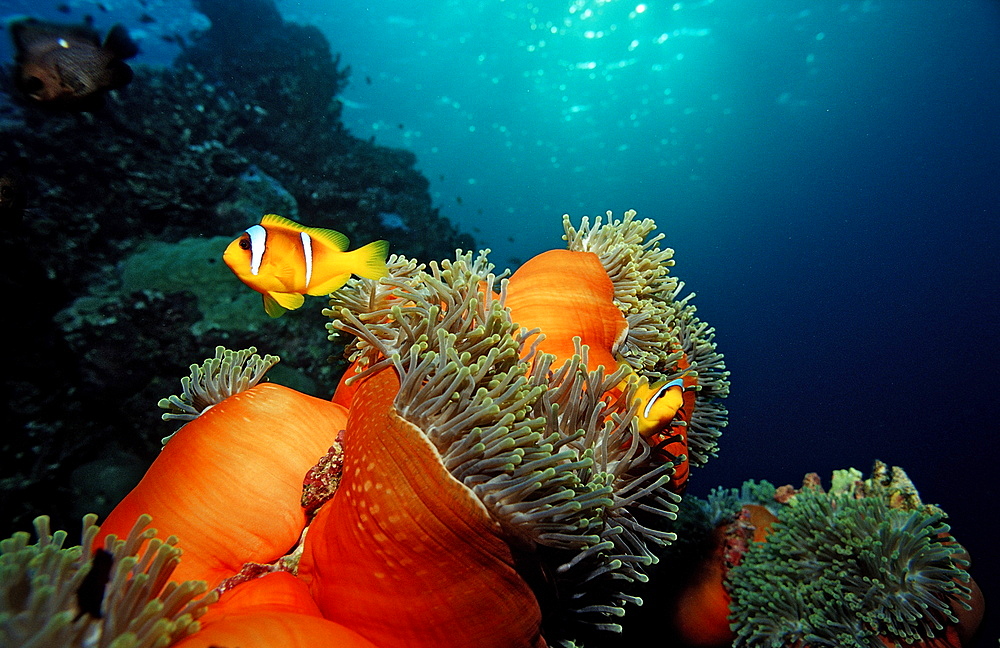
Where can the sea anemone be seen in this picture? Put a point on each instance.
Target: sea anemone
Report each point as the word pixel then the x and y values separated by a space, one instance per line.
pixel 860 567
pixel 271 611
pixel 229 482
pixel 119 594
pixel 544 445
pixel 464 486
pixel 664 340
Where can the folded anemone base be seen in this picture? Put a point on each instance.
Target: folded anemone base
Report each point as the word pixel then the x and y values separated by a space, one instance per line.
pixel 404 553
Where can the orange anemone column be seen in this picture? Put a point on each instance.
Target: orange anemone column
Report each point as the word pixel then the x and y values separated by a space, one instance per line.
pixel 568 294
pixel 229 483
pixel 273 611
pixel 405 554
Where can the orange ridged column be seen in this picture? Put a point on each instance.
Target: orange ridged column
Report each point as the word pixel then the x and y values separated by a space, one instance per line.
pixel 406 555
pixel 229 483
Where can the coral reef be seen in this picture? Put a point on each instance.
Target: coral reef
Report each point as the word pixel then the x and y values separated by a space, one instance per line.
pixel 504 458
pixel 122 207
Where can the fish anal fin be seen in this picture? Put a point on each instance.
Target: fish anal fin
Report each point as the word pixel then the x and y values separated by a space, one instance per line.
pixel 272 308
pixel 331 285
pixel 284 301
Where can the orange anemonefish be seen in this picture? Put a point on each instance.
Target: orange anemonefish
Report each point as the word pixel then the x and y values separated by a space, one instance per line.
pixel 660 403
pixel 283 261
pixel 662 422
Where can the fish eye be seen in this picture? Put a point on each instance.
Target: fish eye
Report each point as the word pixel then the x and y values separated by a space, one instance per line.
pixel 661 391
pixel 245 243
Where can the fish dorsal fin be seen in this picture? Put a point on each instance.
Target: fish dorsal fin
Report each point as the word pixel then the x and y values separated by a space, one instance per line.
pixel 328 236
pixel 28 33
pixel 119 43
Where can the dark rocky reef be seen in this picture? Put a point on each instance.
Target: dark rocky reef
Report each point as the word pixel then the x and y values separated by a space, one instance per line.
pixel 113 271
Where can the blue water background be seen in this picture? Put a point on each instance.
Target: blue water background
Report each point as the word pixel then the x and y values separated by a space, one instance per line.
pixel 828 173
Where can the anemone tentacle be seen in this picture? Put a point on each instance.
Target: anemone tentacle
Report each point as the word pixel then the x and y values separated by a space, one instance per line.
pixel 214 380
pixel 49 598
pixel 556 462
pixel 850 568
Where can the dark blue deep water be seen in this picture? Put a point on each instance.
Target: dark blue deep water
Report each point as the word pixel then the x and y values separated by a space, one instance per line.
pixel 828 173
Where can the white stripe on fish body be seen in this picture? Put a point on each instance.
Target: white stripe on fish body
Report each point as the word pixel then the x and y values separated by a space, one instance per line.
pixel 258 242
pixel 307 251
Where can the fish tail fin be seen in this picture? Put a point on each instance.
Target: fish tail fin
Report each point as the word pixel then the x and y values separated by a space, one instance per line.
pixel 119 43
pixel 369 260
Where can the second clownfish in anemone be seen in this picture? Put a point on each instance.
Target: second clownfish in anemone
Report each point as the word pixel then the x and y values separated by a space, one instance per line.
pixel 662 420
pixel 284 261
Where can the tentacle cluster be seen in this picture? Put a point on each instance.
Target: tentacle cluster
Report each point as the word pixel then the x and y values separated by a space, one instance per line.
pixel 119 595
pixel 214 380
pixel 847 567
pixel 665 340
pixel 557 465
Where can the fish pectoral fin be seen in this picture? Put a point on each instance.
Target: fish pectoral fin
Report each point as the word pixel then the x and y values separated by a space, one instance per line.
pixel 284 273
pixel 276 303
pixel 330 285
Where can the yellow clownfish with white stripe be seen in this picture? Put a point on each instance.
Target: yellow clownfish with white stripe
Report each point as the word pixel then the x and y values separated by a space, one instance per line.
pixel 659 403
pixel 283 261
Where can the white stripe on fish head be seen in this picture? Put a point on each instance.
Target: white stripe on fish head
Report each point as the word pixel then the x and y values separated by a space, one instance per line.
pixel 660 393
pixel 307 251
pixel 258 242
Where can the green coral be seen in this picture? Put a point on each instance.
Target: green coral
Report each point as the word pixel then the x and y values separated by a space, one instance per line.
pixel 841 571
pixel 194 265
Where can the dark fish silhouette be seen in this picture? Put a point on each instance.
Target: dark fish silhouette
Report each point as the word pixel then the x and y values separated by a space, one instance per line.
pixel 68 66
pixel 90 595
